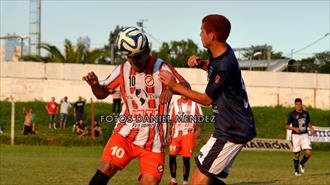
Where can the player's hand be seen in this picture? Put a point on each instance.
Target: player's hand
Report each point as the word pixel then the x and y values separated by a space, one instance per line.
pixel 312 131
pixel 168 138
pixel 167 78
pixel 194 61
pixel 296 130
pixel 165 96
pixel 91 79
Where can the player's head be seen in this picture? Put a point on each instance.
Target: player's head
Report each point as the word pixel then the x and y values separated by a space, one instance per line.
pixel 31 109
pixel 298 104
pixel 215 28
pixel 133 44
pixel 53 98
pixel 65 98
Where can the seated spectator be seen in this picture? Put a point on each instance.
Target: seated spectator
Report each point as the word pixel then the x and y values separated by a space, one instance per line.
pixel 1 130
pixel 28 127
pixel 81 129
pixel 97 129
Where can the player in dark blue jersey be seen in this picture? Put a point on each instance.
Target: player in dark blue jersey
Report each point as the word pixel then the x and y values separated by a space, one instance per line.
pixel 298 121
pixel 225 91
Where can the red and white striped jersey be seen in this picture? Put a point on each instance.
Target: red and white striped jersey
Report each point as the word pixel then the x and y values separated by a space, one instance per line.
pixel 140 93
pixel 180 110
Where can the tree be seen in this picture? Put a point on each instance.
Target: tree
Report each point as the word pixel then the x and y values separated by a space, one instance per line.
pixel 78 54
pixel 324 61
pixel 178 52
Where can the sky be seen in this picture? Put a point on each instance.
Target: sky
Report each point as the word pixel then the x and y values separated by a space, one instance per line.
pixel 285 25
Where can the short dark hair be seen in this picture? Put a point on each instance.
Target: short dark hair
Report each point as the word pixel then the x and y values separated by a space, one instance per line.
pixel 218 24
pixel 297 100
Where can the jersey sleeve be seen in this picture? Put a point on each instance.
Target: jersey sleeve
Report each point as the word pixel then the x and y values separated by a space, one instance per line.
pixel 218 80
pixel 112 82
pixel 170 68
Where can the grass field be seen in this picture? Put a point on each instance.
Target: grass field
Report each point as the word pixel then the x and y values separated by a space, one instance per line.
pixel 57 165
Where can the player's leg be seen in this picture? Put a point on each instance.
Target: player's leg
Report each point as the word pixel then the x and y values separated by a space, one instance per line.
pixel 296 147
pixel 175 148
pixel 173 166
pixel 307 146
pixel 54 121
pixel 116 155
pixel 215 157
pixel 65 120
pixel 186 169
pixel 186 152
pixel 151 166
pixel 104 173
pixel 50 118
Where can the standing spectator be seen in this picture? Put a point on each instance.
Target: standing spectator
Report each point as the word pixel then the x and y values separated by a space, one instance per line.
pixel 51 107
pixel 33 121
pixel 79 109
pixel 28 121
pixel 116 97
pixel 81 129
pixel 64 110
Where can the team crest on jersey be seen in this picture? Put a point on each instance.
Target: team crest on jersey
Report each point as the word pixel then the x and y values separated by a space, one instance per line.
pixel 149 80
pixel 160 168
pixel 217 79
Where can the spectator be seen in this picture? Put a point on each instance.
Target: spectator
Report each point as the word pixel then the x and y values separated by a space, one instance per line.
pixel 51 107
pixel 1 130
pixel 81 129
pixel 79 109
pixel 116 97
pixel 64 110
pixel 27 129
pixel 97 129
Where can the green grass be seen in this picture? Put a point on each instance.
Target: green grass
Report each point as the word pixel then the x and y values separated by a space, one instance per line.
pixel 57 165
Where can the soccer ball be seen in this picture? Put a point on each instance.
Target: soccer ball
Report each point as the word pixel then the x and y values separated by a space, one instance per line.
pixel 131 41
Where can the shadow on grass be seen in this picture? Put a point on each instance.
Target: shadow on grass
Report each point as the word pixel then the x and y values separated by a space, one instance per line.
pixel 255 182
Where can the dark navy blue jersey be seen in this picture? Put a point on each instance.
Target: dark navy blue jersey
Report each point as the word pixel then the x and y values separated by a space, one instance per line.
pixel 299 120
pixel 233 115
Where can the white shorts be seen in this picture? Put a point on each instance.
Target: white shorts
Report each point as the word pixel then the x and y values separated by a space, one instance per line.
pixel 301 142
pixel 217 156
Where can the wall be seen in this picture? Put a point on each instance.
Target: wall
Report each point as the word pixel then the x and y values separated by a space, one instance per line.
pixel 27 81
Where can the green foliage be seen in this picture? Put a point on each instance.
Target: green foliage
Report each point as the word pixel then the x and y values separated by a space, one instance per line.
pixel 72 54
pixel 178 52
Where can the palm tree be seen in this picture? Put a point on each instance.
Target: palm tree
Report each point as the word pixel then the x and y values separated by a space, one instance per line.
pixel 78 54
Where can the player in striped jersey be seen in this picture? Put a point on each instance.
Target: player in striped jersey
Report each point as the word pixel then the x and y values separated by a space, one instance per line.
pixel 184 115
pixel 143 94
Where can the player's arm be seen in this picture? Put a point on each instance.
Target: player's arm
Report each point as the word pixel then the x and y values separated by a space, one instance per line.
pixel 97 89
pixel 195 61
pixel 168 79
pixel 46 107
pixel 310 125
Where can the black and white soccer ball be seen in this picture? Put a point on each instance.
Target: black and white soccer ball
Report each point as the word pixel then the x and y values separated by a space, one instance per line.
pixel 131 41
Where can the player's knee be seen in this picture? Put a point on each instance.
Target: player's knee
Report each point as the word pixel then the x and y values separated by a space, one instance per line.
pixel 186 161
pixel 308 153
pixel 108 168
pixel 148 180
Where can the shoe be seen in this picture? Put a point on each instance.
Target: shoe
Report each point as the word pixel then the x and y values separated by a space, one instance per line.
pixel 173 183
pixel 302 168
pixel 297 174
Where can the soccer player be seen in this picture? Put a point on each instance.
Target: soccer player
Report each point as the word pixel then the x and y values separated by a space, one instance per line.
pixel 225 91
pixel 183 134
pixel 143 94
pixel 300 120
pixel 51 108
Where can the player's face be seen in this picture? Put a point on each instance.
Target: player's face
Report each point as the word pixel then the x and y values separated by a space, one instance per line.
pixel 139 61
pixel 298 106
pixel 205 37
